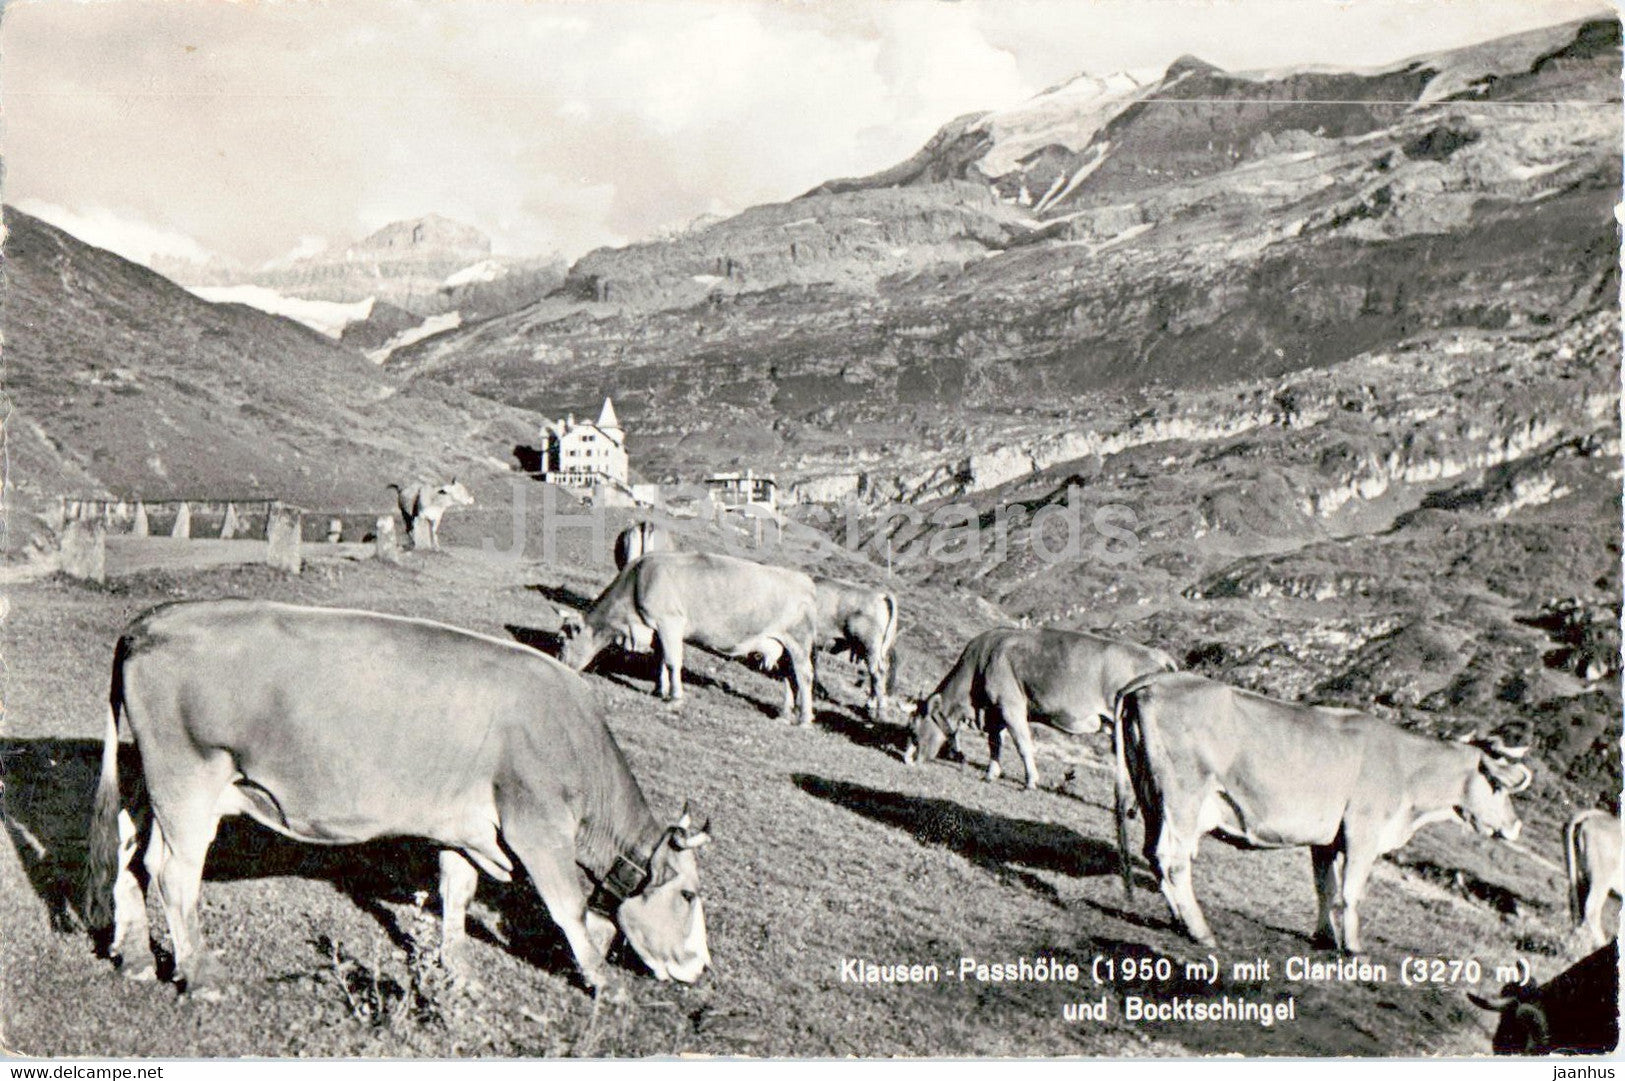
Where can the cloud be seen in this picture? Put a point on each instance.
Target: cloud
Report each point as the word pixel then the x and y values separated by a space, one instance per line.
pixel 566 125
pixel 125 235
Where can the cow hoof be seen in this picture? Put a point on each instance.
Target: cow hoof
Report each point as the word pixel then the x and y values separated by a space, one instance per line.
pixel 205 988
pixel 1322 940
pixel 611 992
pixel 204 981
pixel 209 992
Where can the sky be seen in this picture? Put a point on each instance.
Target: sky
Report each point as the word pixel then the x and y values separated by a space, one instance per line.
pixel 258 129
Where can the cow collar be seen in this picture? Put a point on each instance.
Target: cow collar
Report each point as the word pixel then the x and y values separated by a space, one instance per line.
pixel 626 876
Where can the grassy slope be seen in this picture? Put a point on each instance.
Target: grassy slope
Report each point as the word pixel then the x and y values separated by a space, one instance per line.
pixel 827 847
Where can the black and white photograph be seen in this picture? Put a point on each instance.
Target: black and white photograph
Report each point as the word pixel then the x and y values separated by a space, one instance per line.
pixel 773 529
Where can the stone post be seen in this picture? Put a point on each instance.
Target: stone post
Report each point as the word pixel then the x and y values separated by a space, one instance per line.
pixel 183 522
pixel 282 529
pixel 140 527
pixel 232 525
pixel 383 539
pixel 84 549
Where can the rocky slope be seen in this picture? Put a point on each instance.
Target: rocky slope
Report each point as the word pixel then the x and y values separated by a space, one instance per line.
pixel 930 302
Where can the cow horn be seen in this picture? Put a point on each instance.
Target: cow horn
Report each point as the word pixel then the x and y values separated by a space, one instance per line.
pixel 1528 778
pixel 1494 1003
pixel 685 819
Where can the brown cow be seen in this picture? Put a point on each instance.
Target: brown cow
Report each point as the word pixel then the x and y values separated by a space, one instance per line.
pixel 732 606
pixel 1067 680
pixel 427 502
pixel 334 726
pixel 1204 757
pixel 861 621
pixel 1576 1013
pixel 1596 868
pixel 638 540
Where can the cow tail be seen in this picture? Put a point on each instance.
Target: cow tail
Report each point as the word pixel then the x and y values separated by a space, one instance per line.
pixel 1121 790
pixel 1571 864
pixel 888 644
pixel 101 864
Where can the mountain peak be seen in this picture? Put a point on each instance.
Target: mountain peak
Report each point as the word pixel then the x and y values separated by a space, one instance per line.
pixel 428 233
pixel 1191 65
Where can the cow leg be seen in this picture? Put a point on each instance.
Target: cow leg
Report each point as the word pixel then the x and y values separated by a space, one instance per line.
pixel 132 938
pixel 1174 853
pixel 1328 890
pixel 1357 864
pixel 549 859
pixel 1596 902
pixel 878 674
pixel 458 883
pixel 669 650
pixel 1015 718
pixel 995 747
pixel 175 863
pixel 800 664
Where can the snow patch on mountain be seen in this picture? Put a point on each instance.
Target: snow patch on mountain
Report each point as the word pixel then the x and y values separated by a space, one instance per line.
pixel 435 324
pixel 1067 115
pixel 486 270
pixel 328 317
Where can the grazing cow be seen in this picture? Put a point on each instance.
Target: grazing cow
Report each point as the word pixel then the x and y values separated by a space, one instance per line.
pixel 732 606
pixel 334 726
pixel 1203 756
pixel 1005 677
pixel 1577 1013
pixel 429 501
pixel 860 621
pixel 1591 854
pixel 638 540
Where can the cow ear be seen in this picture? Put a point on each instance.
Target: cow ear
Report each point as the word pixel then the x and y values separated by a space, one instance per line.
pixel 688 839
pixel 685 819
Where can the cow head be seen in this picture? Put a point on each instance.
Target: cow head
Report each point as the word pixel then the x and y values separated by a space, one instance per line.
pixel 665 921
pixel 455 494
pixel 1486 803
pixel 934 725
pixel 580 641
pixel 1524 1029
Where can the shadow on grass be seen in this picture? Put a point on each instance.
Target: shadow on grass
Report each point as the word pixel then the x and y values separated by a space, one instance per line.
pixel 640 671
pixel 563 595
pixel 878 735
pixel 46 799
pixel 1011 848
